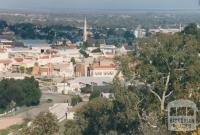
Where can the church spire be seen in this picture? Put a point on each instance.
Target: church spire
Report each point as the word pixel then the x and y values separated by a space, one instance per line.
pixel 85 34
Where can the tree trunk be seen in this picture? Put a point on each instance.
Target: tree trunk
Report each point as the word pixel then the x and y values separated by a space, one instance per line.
pixel 162 104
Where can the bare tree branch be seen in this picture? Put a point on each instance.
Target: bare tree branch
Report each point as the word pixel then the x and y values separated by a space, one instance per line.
pixel 167 83
pixel 151 125
pixel 153 92
pixel 137 108
pixel 169 94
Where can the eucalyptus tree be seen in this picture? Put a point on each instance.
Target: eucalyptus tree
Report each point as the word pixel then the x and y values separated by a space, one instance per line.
pixel 169 66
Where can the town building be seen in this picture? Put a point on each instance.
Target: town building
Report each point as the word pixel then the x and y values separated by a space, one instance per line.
pixel 5 43
pixel 79 70
pixel 103 68
pixel 139 33
pixel 108 50
pixel 166 30
pixel 64 70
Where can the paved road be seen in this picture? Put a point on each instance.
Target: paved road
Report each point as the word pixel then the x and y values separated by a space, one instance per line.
pixel 31 112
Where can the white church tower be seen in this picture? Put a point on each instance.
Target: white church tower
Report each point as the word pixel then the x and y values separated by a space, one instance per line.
pixel 85 34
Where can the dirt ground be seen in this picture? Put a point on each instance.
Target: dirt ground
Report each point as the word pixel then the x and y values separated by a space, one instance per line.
pixel 9 121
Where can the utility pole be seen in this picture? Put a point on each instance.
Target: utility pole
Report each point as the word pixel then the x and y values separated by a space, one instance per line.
pixel 50 72
pixel 64 84
pixel 85 34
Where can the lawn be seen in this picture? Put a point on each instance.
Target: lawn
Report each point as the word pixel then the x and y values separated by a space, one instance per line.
pixel 10 129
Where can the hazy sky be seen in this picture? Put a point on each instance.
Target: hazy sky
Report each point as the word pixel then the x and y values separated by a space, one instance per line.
pixel 99 4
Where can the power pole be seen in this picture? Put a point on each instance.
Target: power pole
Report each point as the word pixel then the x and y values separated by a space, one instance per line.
pixel 64 84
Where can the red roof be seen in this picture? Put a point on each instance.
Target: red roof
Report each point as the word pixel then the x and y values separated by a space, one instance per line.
pixel 103 67
pixel 44 57
pixel 44 69
pixel 2 50
pixel 28 58
pixel 19 59
pixel 5 61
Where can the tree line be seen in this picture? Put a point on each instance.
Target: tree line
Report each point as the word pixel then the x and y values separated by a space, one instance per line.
pixel 21 92
pixel 52 33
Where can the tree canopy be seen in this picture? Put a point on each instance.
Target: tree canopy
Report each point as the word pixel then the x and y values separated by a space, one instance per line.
pixel 22 92
pixel 164 68
pixel 106 116
pixel 44 124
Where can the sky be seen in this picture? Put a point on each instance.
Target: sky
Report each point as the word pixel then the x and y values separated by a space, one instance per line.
pixel 99 4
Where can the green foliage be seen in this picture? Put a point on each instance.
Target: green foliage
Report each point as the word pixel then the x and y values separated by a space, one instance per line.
pixel 13 128
pixel 25 30
pixel 166 64
pixel 22 92
pixel 85 45
pixel 4 132
pixel 29 70
pixel 102 116
pixel 129 36
pixel 3 24
pixel 111 32
pixel 72 128
pixel 126 65
pixel 112 133
pixel 49 100
pixel 32 31
pixel 75 100
pixel 22 69
pixel 44 124
pixel 84 53
pixel 191 29
pixel 98 50
pixel 174 54
pixel 94 117
pixel 95 94
pixel 73 60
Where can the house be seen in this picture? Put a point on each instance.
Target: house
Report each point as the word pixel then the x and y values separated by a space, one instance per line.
pixel 5 65
pixel 74 86
pixel 103 68
pixel 5 43
pixel 79 70
pixel 108 50
pixel 166 31
pixel 64 70
pixel 42 70
pixel 68 88
pixel 139 33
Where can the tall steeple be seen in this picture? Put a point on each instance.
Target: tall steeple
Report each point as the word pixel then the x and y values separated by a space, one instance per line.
pixel 85 34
